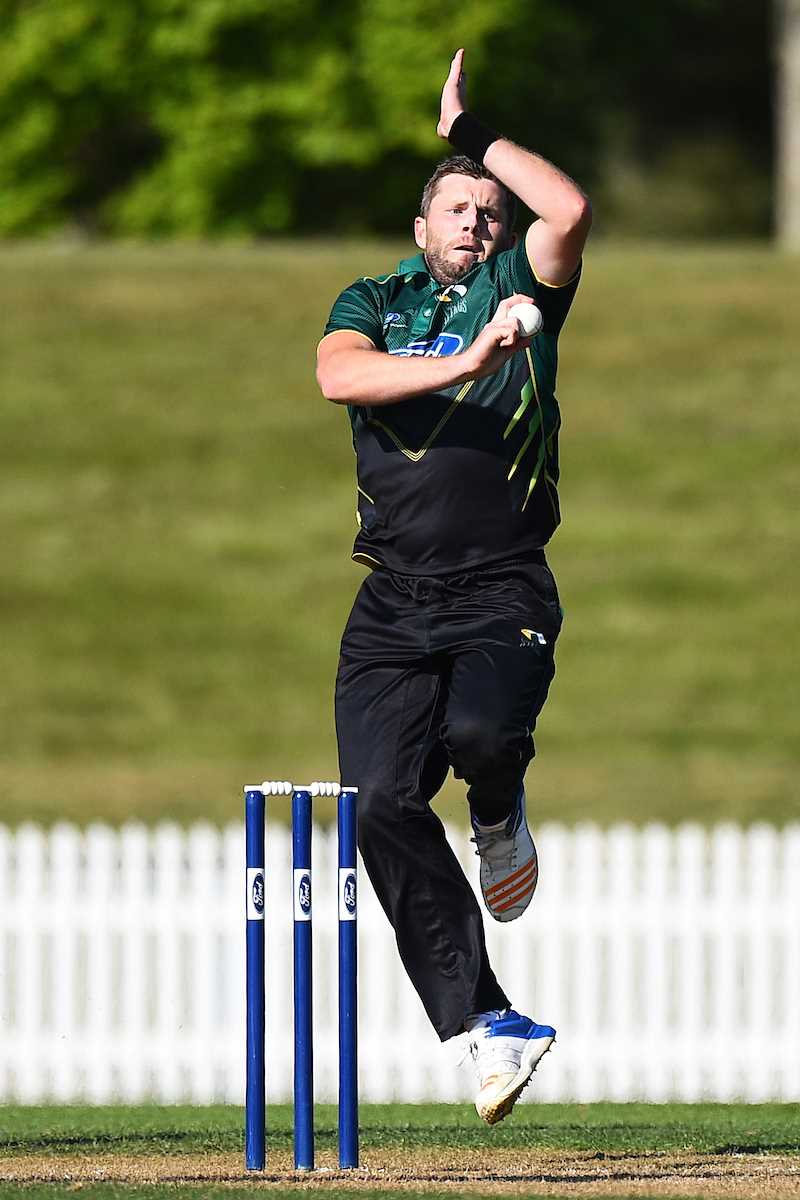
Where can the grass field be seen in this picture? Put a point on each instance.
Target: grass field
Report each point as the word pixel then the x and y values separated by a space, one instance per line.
pixel 177 510
pixel 701 1150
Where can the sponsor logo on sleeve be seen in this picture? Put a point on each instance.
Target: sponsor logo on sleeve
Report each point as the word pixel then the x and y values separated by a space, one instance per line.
pixel 532 637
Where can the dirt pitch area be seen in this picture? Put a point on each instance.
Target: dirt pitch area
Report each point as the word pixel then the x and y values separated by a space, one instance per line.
pixel 501 1172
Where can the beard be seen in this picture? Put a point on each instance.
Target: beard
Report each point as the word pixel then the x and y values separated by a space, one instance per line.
pixel 443 270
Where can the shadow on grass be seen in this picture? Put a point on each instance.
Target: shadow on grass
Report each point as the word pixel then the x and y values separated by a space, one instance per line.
pixel 765 1147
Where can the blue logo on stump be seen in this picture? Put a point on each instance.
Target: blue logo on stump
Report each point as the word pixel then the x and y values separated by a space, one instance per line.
pixel 258 892
pixel 349 893
pixel 304 893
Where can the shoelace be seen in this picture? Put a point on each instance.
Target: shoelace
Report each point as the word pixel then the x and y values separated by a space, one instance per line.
pixel 483 1053
pixel 497 847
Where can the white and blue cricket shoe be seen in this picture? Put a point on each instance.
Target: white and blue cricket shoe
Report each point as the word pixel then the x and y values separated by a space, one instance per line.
pixel 506 1049
pixel 509 865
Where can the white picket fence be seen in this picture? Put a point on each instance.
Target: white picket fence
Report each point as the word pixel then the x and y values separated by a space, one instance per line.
pixel 669 961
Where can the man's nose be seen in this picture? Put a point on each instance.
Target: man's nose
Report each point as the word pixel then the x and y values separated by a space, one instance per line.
pixel 470 218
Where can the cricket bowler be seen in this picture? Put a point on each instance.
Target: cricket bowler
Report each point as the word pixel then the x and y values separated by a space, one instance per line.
pixel 448 653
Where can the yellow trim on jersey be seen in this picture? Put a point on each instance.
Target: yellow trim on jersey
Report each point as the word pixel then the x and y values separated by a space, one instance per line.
pixel 385 279
pixel 416 455
pixel 538 278
pixel 535 476
pixel 333 333
pixel 546 282
pixel 540 425
pixel 550 483
pixel 530 389
pixel 525 399
pixel 533 429
pixel 359 556
pixel 364 494
pixel 532 370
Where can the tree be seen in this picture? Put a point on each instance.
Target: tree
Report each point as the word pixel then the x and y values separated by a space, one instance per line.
pixel 787 113
pixel 257 117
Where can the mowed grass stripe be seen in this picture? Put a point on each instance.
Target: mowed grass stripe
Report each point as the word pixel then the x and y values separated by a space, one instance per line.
pixel 601 1128
pixel 177 505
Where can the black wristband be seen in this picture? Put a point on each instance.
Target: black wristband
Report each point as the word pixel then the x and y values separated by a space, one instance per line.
pixel 471 136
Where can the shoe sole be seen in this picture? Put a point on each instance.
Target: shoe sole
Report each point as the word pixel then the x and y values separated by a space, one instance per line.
pixel 502 1105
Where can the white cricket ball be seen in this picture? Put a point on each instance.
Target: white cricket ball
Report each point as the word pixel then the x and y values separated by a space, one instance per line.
pixel 529 318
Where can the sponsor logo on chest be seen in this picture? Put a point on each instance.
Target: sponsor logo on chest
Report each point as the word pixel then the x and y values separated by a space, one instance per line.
pixel 460 306
pixel 395 319
pixel 441 346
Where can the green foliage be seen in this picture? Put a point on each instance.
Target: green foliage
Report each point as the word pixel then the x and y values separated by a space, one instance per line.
pixel 249 117
pixel 177 508
pixel 72 127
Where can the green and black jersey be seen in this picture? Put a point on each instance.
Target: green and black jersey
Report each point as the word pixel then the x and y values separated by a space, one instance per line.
pixel 464 476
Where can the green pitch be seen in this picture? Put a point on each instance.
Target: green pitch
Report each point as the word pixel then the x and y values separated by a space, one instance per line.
pixel 177 505
pixel 78 1147
pixel 637 1128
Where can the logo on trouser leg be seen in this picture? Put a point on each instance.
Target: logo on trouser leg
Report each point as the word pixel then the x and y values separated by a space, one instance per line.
pixel 532 637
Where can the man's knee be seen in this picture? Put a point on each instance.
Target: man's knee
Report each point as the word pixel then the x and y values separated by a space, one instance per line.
pixel 388 818
pixel 478 744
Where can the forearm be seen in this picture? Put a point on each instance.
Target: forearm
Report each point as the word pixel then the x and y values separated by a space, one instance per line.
pixel 546 190
pixel 370 377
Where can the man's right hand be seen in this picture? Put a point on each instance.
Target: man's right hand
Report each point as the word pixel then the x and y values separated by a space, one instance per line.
pixel 497 341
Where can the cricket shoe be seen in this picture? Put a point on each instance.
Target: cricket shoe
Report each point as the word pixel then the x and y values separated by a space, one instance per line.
pixel 509 866
pixel 506 1051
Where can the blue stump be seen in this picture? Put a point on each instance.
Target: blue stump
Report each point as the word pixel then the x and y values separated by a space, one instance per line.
pixel 348 986
pixel 255 1102
pixel 303 1012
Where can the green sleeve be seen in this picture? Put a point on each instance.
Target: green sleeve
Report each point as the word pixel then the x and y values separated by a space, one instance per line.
pixel 357 309
pixel 553 300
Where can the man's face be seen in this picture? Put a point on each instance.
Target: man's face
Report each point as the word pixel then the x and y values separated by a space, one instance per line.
pixel 466 224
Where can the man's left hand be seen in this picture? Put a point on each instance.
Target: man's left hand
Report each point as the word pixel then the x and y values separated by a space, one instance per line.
pixel 454 100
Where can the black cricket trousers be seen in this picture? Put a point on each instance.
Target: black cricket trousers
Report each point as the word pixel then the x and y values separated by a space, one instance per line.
pixel 437 673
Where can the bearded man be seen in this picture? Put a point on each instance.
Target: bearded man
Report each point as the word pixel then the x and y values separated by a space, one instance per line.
pixel 448 653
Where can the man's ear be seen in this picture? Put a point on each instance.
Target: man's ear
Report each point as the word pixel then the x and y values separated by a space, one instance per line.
pixel 420 232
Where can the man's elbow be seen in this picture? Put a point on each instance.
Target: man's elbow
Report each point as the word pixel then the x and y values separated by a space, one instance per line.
pixel 330 384
pixel 580 214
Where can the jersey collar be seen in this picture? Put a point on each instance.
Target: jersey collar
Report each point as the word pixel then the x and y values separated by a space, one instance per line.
pixel 414 266
pixel 418 266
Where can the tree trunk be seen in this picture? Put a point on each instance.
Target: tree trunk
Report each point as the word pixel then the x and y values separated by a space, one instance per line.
pixel 787 112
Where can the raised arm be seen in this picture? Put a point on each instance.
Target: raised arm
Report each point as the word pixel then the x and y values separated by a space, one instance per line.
pixel 553 243
pixel 350 370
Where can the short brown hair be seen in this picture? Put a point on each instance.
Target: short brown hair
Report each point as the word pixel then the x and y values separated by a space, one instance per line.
pixel 459 164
